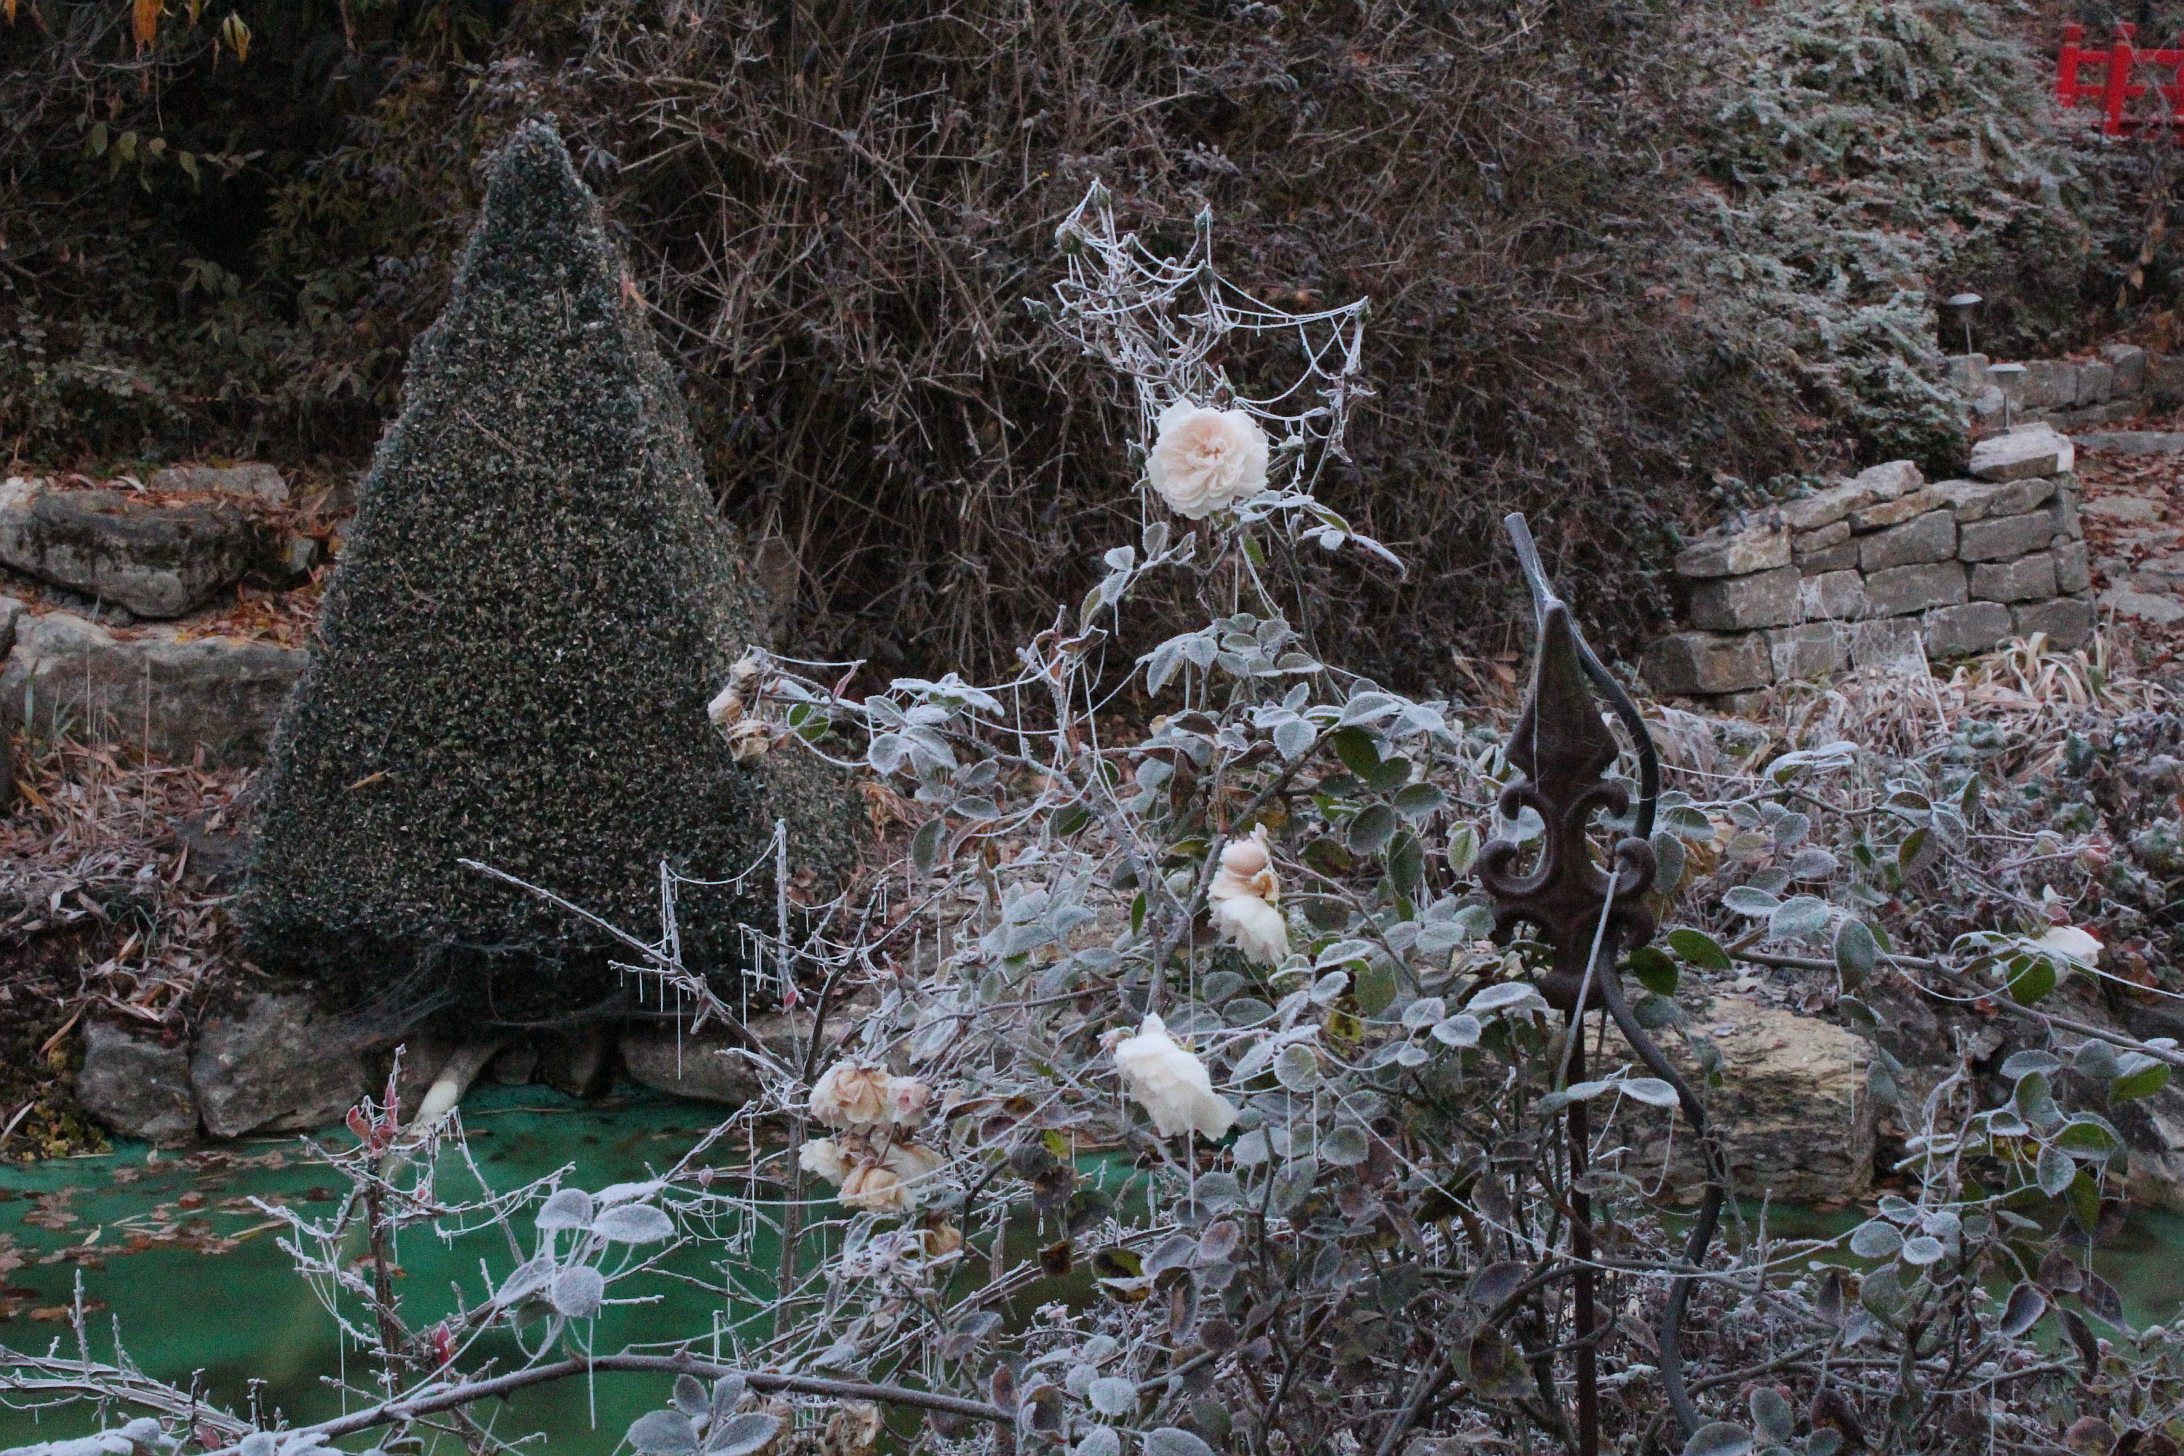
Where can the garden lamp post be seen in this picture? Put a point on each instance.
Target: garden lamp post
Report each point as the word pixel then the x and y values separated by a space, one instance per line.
pixel 1961 308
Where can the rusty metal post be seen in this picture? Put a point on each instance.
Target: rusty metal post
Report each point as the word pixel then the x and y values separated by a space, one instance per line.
pixel 1583 912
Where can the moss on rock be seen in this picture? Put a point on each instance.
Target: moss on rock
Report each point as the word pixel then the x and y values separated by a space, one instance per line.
pixel 516 651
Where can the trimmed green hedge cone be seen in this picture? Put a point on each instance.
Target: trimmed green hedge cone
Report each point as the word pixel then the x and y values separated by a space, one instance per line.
pixel 537 601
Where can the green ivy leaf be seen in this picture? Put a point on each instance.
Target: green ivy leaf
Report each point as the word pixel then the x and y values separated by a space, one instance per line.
pixel 1654 970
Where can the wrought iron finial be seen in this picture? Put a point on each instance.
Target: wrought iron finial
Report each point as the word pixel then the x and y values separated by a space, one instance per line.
pixel 1564 751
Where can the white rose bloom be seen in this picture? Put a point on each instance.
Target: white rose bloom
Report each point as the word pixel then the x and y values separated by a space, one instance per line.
pixel 850 1095
pixel 1206 460
pixel 826 1157
pixel 1171 1084
pixel 1245 892
pixel 2072 943
pixel 1253 927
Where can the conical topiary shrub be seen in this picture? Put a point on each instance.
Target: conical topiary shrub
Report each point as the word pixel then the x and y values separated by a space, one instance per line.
pixel 516 652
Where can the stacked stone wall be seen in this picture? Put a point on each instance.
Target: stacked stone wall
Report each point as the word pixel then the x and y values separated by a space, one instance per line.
pixel 2121 381
pixel 1882 565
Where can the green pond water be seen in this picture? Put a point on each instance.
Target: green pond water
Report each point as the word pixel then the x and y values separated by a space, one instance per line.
pixel 208 1289
pixel 169 1247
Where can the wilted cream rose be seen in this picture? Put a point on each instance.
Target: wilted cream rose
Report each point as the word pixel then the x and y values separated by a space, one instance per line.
pixel 874 1188
pixel 850 1095
pixel 748 739
pixel 728 704
pixel 1205 460
pixel 1245 892
pixel 826 1157
pixel 1171 1084
pixel 2072 943
pixel 908 1100
pixel 915 1164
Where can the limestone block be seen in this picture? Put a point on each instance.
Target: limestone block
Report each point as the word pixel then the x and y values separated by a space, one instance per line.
pixel 1842 556
pixel 2028 578
pixel 1832 596
pixel 1892 639
pixel 153 690
pixel 2165 378
pixel 1814 650
pixel 2068 621
pixel 1929 537
pixel 1962 631
pixel 2022 453
pixel 2073 573
pixel 1968 372
pixel 1890 480
pixel 1737 553
pixel 1895 510
pixel 158 560
pixel 2096 382
pixel 1706 662
pixel 1902 589
pixel 2128 361
pixel 2064 510
pixel 2045 384
pixel 2001 538
pixel 1977 500
pixel 1805 543
pixel 1730 603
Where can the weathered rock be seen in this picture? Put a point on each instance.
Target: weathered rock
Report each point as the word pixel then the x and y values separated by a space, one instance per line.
pixel 1977 500
pixel 2068 621
pixel 137 1085
pixel 1890 479
pixel 2026 579
pixel 2027 451
pixel 11 612
pixel 1962 631
pixel 2161 610
pixel 2002 538
pixel 254 479
pixel 1737 553
pixel 156 560
pixel 2133 442
pixel 705 1066
pixel 1729 603
pixel 1903 589
pixel 580 1063
pixel 1814 650
pixel 154 691
pixel 2128 361
pixel 2073 573
pixel 1967 371
pixel 1792 1107
pixel 2126 509
pixel 1824 508
pixel 277 1063
pixel 1832 596
pixel 1929 537
pixel 1701 662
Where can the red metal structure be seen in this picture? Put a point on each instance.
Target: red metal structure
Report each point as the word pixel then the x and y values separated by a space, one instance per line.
pixel 2102 77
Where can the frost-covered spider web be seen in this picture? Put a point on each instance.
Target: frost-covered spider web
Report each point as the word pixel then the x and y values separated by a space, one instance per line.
pixel 1168 323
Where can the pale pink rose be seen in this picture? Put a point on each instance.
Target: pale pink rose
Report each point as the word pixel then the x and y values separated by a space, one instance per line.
pixel 826 1157
pixel 850 1095
pixel 1206 460
pixel 908 1100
